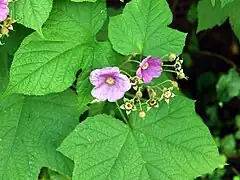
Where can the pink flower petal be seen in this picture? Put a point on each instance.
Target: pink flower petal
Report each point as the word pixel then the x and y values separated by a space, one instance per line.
pixel 4 11
pixel 101 92
pixel 147 78
pixel 139 73
pixel 98 76
pixel 153 69
pixel 123 82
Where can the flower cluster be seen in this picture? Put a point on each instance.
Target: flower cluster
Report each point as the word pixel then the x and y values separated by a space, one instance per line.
pixel 112 84
pixel 7 22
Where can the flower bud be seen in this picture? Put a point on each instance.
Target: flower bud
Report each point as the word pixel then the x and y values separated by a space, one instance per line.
pixel 172 57
pixel 181 75
pixel 139 94
pixel 134 54
pixel 141 114
pixel 4 31
pixel 175 84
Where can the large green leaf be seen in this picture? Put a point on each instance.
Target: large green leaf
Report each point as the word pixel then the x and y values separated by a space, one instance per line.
pixel 143 28
pixel 31 13
pixel 210 16
pixel 228 86
pixel 49 64
pixel 31 129
pixel 171 142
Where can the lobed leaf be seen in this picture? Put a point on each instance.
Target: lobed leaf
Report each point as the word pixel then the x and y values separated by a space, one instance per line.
pixel 49 64
pixel 143 28
pixel 170 143
pixel 31 130
pixel 31 13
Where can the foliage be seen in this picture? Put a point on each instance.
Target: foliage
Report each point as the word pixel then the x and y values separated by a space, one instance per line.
pixel 217 14
pixel 51 125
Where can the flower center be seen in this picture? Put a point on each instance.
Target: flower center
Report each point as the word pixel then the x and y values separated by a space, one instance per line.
pixel 145 66
pixel 128 106
pixel 167 94
pixel 110 81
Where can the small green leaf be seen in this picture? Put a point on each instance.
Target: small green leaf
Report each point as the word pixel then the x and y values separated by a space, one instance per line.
pixel 228 144
pixel 49 64
pixel 31 130
pixel 31 13
pixel 171 142
pixel 237 135
pixel 143 28
pixel 228 86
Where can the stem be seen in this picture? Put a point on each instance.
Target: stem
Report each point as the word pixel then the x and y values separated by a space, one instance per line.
pixel 129 58
pixel 124 72
pixel 123 116
pixel 135 61
pixel 165 56
pixel 140 105
pixel 168 65
pixel 167 70
pixel 207 53
pixel 163 83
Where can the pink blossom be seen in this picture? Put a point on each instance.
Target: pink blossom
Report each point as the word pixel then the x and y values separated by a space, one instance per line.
pixel 149 68
pixel 3 9
pixel 109 84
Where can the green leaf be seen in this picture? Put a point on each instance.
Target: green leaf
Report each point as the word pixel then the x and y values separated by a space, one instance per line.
pixel 31 13
pixel 232 9
pixel 56 176
pixel 225 2
pixel 68 45
pixel 209 16
pixel 84 88
pixel 228 144
pixel 31 130
pixel 4 70
pixel 84 0
pixel 143 28
pixel 237 135
pixel 228 86
pixel 170 143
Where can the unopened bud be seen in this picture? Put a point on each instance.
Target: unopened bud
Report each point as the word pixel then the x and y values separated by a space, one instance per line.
pixel 139 94
pixel 134 54
pixel 181 75
pixel 141 114
pixel 175 84
pixel 172 57
pixel 4 31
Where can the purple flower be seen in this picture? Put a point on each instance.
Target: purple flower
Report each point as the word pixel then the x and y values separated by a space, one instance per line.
pixel 3 9
pixel 149 68
pixel 109 84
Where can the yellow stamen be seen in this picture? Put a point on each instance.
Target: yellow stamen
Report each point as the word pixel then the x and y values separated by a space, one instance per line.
pixel 110 81
pixel 145 66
